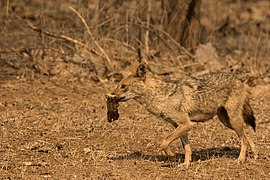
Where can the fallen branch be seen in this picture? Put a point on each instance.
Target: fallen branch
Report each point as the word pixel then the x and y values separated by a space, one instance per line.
pixel 61 36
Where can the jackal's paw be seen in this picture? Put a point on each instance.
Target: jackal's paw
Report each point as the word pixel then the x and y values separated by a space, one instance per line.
pixel 169 153
pixel 184 165
pixel 256 156
pixel 240 160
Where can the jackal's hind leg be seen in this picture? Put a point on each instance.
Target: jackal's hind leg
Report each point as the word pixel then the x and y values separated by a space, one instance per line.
pixel 238 127
pixel 253 148
pixel 244 144
pixel 237 123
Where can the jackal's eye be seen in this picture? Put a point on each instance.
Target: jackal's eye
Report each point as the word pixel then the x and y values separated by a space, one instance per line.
pixel 124 87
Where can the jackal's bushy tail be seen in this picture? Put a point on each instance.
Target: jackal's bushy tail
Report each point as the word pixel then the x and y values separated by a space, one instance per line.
pixel 249 115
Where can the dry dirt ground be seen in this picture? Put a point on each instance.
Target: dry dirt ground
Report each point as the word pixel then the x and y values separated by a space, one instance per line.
pixel 59 130
pixel 54 126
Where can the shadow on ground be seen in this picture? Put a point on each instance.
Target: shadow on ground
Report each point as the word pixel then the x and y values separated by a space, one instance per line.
pixel 199 155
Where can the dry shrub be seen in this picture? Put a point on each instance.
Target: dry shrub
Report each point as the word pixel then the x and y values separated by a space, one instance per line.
pixel 113 32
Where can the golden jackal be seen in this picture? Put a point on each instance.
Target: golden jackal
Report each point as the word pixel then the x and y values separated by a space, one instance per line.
pixel 196 99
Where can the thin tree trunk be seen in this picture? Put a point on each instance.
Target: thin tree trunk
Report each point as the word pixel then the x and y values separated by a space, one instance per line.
pixel 147 25
pixel 182 21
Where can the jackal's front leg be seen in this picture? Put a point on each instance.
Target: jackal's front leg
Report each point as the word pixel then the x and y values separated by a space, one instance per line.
pixel 180 131
pixel 186 146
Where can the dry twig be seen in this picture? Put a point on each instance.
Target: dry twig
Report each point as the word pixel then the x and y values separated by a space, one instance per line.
pixel 91 35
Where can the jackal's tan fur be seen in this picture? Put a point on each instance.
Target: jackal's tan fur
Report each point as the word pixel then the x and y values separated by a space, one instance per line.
pixel 191 100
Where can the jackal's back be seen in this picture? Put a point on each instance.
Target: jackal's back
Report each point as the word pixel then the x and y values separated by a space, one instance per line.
pixel 208 92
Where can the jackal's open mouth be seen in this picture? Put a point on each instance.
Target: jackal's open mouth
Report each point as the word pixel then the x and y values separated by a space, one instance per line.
pixel 121 99
pixel 116 98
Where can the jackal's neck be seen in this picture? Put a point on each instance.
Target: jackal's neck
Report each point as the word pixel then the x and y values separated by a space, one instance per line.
pixel 154 89
pixel 147 93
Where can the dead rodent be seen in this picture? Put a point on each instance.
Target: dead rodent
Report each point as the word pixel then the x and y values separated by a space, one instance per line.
pixel 112 108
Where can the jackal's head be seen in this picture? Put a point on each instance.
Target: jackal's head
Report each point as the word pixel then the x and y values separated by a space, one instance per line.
pixel 132 85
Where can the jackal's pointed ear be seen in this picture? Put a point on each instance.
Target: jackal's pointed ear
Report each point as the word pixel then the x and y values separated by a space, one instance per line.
pixel 141 70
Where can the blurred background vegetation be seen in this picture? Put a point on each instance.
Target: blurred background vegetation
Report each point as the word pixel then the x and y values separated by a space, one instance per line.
pixel 175 37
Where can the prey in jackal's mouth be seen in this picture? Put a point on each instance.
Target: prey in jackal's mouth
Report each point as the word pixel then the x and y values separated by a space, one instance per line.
pixel 112 107
pixel 124 91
